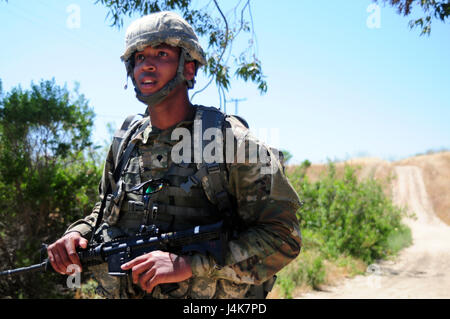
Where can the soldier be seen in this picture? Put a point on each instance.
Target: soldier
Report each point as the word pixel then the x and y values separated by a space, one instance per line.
pixel 162 57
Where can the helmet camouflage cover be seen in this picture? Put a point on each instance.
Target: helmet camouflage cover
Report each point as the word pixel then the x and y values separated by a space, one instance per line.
pixel 157 28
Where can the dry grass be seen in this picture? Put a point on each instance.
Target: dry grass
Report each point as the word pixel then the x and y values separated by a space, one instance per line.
pixel 336 272
pixel 435 170
pixel 436 175
pixel 381 170
pixel 276 292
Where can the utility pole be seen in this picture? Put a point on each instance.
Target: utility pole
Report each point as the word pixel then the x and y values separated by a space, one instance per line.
pixel 236 102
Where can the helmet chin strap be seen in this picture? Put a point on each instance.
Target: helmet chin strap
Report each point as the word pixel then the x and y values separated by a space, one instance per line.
pixel 158 97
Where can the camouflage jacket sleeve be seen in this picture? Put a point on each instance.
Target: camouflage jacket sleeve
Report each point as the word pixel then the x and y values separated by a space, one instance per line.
pixel 267 206
pixel 85 226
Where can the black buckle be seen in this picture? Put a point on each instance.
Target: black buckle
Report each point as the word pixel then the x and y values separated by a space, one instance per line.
pixel 135 206
pixel 192 180
pixel 213 168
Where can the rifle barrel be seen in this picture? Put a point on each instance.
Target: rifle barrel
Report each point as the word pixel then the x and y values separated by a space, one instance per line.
pixel 31 268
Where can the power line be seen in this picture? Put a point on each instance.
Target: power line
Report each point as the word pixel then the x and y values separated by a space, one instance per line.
pixel 236 104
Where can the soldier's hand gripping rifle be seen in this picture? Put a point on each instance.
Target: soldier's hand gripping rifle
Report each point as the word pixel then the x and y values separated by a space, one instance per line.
pixel 205 239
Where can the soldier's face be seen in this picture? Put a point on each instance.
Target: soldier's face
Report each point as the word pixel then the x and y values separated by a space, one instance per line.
pixel 155 66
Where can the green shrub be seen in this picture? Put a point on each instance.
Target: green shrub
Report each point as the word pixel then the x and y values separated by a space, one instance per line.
pixel 309 269
pixel 351 216
pixel 343 221
pixel 49 177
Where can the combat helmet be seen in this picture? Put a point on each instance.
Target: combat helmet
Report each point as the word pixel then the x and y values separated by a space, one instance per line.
pixel 157 28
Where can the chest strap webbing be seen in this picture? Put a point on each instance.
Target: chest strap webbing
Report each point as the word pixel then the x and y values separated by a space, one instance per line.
pixel 209 117
pixel 118 168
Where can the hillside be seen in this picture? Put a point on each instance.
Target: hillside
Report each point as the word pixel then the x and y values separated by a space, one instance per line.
pixel 436 175
pixel 421 184
pixel 435 170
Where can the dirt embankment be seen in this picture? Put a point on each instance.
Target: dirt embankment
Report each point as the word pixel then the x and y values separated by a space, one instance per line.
pixel 435 173
pixel 436 176
pixel 422 185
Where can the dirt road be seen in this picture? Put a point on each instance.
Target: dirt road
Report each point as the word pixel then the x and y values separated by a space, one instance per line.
pixel 419 271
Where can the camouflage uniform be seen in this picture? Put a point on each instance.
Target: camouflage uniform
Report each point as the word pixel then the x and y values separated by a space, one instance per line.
pixel 265 205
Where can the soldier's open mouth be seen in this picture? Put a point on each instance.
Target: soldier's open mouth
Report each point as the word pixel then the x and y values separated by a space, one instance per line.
pixel 148 84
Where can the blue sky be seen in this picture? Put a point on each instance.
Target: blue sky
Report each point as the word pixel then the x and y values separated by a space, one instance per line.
pixel 337 87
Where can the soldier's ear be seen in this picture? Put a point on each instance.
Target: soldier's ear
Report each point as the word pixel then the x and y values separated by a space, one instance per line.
pixel 189 70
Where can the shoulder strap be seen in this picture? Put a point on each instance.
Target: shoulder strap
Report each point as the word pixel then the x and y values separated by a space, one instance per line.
pixel 210 117
pixel 119 136
pixel 121 146
pixel 120 159
pixel 241 119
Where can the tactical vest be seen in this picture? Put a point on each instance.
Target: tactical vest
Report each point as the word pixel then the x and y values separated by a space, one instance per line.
pixel 193 193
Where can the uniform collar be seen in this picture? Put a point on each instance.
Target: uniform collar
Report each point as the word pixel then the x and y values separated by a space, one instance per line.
pixel 153 133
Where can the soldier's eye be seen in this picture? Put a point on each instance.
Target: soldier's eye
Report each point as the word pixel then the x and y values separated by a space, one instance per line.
pixel 163 53
pixel 139 57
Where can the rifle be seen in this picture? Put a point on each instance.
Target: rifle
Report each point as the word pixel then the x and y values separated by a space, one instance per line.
pixel 203 239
